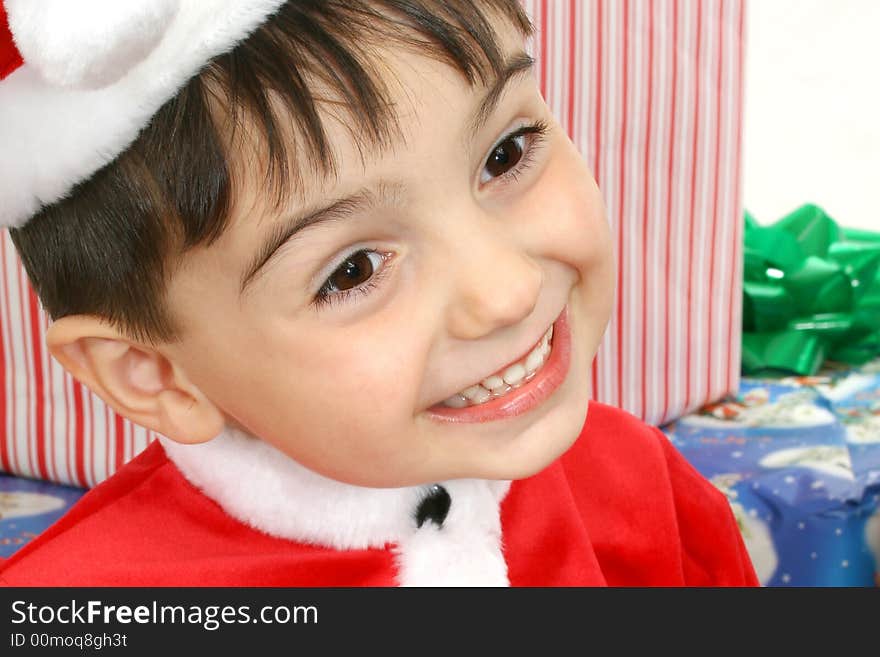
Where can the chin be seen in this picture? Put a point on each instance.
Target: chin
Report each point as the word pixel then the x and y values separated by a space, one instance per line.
pixel 532 456
pixel 529 468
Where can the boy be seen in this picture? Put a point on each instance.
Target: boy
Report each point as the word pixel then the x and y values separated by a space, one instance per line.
pixel 355 274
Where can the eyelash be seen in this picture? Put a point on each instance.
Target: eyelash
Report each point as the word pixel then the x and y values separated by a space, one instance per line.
pixel 537 132
pixel 326 297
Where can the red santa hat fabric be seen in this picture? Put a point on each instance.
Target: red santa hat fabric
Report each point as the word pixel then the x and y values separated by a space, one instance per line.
pixel 79 80
pixel 10 58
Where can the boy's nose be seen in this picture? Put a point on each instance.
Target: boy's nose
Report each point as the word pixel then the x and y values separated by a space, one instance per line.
pixel 494 287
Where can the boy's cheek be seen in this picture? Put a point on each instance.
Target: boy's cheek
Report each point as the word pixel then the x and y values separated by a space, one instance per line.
pixel 336 377
pixel 570 212
pixel 576 226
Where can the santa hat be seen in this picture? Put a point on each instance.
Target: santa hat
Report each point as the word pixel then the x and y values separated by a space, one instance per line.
pixel 79 79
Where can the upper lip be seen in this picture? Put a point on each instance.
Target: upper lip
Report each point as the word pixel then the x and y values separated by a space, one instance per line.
pixel 522 354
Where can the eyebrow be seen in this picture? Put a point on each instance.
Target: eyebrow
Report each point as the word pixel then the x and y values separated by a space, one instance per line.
pixel 284 231
pixel 520 64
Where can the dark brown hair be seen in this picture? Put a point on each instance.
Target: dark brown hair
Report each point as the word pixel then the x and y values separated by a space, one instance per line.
pixel 108 248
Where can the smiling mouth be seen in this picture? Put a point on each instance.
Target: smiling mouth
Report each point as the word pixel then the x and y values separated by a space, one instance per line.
pixel 507 379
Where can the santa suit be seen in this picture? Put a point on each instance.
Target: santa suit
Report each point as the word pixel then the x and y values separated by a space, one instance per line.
pixel 621 507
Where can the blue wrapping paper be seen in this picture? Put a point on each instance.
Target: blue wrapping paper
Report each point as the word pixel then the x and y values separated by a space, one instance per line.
pixel 28 507
pixel 799 460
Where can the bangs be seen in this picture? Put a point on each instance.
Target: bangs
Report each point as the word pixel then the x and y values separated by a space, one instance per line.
pixel 316 55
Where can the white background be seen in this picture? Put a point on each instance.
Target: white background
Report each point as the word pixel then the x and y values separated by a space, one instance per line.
pixel 812 109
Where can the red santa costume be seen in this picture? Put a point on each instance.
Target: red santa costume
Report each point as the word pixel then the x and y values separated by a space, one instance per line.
pixel 621 507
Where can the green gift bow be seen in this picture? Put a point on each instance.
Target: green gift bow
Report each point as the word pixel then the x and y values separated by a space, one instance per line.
pixel 811 292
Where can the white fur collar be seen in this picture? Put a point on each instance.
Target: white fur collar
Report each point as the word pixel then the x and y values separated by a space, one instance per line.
pixel 260 486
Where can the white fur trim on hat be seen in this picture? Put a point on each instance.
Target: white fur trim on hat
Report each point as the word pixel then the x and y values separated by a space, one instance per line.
pixel 94 73
pixel 87 43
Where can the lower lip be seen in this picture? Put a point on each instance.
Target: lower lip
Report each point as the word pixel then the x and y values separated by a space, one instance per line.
pixel 525 398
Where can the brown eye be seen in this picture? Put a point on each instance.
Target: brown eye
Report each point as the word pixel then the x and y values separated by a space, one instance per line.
pixel 505 156
pixel 357 269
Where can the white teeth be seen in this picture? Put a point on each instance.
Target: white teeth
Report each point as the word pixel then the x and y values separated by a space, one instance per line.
pixel 479 395
pixel 493 382
pixel 500 384
pixel 534 360
pixel 472 393
pixel 456 401
pixel 514 374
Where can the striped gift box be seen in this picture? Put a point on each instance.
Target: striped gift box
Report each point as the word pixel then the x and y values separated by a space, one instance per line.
pixel 651 93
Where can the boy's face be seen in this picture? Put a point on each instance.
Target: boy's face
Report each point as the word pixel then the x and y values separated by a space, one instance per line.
pixel 451 267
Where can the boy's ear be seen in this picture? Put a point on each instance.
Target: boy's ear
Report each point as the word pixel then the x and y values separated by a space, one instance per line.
pixel 135 380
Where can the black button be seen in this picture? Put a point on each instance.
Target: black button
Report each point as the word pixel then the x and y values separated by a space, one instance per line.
pixel 434 507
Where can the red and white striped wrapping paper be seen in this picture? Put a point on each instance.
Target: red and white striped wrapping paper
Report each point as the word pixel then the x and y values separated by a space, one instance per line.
pixel 651 93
